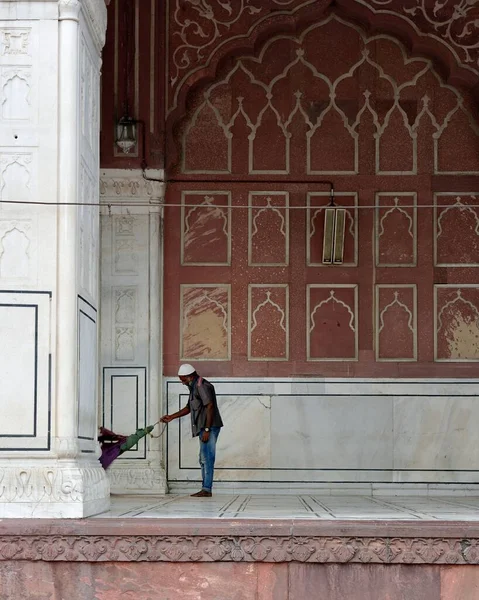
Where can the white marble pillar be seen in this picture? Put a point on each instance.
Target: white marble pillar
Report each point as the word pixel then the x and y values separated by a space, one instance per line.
pixel 49 302
pixel 131 335
pixel 66 443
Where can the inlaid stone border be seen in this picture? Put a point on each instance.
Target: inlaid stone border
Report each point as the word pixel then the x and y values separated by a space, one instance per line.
pixel 176 540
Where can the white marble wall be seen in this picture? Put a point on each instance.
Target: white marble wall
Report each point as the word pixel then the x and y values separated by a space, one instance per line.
pixel 334 434
pixel 131 288
pixel 48 449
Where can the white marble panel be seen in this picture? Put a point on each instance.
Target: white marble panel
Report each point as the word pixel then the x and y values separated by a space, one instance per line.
pixel 18 370
pixel 436 433
pixel 244 441
pixel 331 432
pixel 343 434
pixel 24 371
pixel 124 404
pixel 243 449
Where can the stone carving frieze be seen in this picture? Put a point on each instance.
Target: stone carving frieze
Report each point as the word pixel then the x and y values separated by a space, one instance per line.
pixel 226 548
pixel 130 186
pixel 52 484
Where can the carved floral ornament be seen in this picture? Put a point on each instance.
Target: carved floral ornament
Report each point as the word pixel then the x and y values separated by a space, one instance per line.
pixel 456 23
pixel 226 548
pixel 112 186
pixel 202 32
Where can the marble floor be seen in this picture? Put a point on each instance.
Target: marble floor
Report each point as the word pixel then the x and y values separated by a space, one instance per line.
pixel 303 506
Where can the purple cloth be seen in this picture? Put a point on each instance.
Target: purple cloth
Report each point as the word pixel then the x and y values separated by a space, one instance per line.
pixel 110 446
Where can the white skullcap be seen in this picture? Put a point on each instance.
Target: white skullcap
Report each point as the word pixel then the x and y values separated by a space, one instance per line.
pixel 186 370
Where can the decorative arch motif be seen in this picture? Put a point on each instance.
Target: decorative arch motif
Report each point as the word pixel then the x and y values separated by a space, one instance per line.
pixel 332 322
pixel 296 110
pixel 203 35
pixel 396 323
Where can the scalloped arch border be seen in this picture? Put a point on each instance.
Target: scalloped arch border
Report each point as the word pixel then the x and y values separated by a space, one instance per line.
pixel 417 43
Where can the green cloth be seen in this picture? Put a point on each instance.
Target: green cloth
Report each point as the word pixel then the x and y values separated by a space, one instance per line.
pixel 134 438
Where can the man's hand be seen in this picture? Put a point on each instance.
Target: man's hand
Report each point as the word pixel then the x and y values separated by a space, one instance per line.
pixel 166 418
pixel 205 437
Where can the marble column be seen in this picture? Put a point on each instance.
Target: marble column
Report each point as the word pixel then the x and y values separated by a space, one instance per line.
pixel 49 302
pixel 131 332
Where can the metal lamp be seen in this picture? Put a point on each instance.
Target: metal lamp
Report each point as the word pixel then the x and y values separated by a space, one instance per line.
pixel 126 134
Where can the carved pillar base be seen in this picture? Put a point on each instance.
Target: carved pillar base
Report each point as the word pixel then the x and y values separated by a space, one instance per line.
pixel 56 488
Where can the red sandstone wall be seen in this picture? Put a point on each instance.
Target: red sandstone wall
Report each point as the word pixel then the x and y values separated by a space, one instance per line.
pixel 133 76
pixel 223 581
pixel 245 287
pixel 252 122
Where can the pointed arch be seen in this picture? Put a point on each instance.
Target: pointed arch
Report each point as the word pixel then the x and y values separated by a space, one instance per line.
pixel 375 18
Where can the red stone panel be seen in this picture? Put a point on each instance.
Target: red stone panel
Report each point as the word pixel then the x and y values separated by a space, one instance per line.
pixel 130 581
pixel 456 221
pixel 206 142
pixel 457 322
pixel 25 580
pixel 332 322
pixel 268 333
pixel 396 241
pixel 396 146
pixel 205 321
pixel 460 582
pixel 396 323
pixel 268 229
pixel 206 228
pixel 364 582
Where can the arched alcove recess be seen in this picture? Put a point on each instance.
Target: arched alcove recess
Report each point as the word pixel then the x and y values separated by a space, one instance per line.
pixel 328 95
pixel 373 17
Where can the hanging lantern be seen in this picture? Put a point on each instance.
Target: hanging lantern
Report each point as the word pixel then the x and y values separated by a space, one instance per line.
pixel 126 134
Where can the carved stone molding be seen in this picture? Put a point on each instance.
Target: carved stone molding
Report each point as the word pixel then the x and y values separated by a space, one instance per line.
pixel 52 484
pixel 122 184
pixel 226 548
pixel 137 479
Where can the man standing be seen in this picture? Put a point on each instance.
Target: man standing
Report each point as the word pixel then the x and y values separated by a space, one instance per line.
pixel 205 422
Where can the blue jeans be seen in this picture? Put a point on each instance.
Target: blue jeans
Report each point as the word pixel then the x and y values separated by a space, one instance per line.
pixel 207 458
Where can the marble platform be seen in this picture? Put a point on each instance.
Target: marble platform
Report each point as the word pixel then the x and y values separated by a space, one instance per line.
pixel 306 528
pixel 249 547
pixel 294 507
